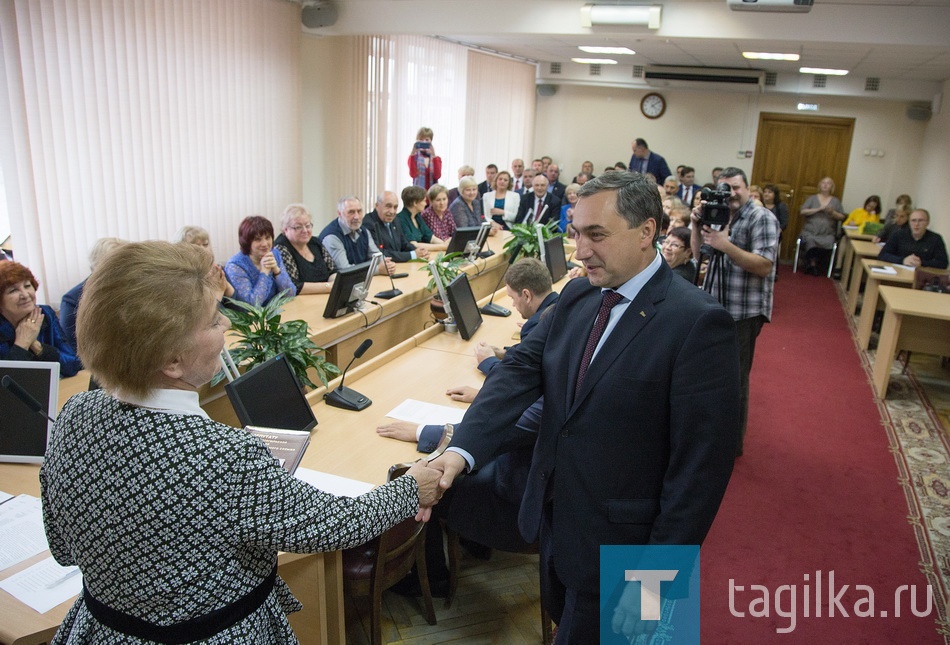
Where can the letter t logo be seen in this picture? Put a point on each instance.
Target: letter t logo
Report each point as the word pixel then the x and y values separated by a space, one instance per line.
pixel 650 580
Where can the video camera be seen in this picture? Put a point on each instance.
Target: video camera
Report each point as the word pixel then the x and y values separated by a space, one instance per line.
pixel 716 211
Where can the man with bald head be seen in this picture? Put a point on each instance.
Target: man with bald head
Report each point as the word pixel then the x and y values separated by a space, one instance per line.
pixel 538 206
pixel 555 187
pixel 387 233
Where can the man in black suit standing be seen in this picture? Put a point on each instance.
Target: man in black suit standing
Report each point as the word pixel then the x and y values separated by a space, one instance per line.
pixel 388 234
pixel 688 188
pixel 640 377
pixel 645 161
pixel 538 206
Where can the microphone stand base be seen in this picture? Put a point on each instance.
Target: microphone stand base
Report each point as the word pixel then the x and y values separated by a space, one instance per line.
pixel 347 399
pixel 386 295
pixel 495 310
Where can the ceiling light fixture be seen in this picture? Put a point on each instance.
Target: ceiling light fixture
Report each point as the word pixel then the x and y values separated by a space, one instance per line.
pixel 595 61
pixel 608 50
pixel 820 70
pixel 769 56
pixel 628 15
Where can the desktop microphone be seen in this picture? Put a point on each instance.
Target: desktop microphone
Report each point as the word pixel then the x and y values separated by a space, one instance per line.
pixel 344 397
pixel 24 396
pixel 391 293
pixel 492 309
pixel 541 214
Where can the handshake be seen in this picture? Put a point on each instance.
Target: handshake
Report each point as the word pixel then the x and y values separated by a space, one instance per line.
pixel 434 478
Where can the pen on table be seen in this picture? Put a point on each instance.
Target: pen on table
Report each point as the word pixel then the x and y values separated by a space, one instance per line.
pixel 60 581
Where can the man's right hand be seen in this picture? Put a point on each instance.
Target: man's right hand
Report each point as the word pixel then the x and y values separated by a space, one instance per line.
pixel 450 464
pixel 483 350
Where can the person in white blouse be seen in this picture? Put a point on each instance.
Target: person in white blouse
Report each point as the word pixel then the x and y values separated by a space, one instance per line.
pixel 500 202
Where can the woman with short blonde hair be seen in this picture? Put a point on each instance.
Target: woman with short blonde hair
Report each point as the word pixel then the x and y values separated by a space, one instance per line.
pixel 173 519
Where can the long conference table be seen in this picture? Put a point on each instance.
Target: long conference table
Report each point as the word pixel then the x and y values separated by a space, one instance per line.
pixel 344 443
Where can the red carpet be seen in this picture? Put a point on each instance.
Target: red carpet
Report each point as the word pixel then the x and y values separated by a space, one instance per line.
pixel 817 490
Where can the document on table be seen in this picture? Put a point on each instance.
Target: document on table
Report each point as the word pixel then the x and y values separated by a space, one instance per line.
pixel 333 483
pixel 885 270
pixel 21 530
pixel 5 496
pixel 426 413
pixel 44 585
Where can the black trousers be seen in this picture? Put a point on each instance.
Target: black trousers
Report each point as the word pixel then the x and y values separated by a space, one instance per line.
pixel 748 330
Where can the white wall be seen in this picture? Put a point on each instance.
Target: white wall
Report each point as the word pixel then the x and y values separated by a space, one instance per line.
pixel 706 130
pixel 317 112
pixel 934 163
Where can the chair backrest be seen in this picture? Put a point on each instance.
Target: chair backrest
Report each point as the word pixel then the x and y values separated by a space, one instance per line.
pixel 396 552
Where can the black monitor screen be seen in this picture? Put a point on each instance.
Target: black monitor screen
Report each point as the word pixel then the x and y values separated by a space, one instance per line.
pixel 345 292
pixel 467 316
pixel 462 237
pixel 554 257
pixel 270 396
pixel 23 432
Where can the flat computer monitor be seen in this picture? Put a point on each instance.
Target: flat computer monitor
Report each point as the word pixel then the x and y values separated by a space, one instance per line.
pixel 270 396
pixel 23 432
pixel 350 287
pixel 462 237
pixel 554 257
pixel 464 309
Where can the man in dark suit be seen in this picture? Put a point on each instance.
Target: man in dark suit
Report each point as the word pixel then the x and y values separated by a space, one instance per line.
pixel 490 171
pixel 640 378
pixel 387 233
pixel 688 188
pixel 538 206
pixel 555 187
pixel 646 161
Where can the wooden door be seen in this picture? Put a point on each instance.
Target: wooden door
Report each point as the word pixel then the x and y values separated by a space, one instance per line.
pixel 795 152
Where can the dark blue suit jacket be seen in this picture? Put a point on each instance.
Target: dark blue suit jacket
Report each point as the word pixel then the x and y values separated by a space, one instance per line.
pixel 643 454
pixel 656 166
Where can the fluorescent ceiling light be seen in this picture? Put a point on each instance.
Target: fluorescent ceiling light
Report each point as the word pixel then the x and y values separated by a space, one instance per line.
pixel 595 61
pixel 609 50
pixel 628 15
pixel 826 72
pixel 769 56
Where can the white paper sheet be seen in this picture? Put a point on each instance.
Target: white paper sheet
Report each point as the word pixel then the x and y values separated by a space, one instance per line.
pixel 426 413
pixel 333 483
pixel 44 585
pixel 884 270
pixel 21 530
pixel 4 496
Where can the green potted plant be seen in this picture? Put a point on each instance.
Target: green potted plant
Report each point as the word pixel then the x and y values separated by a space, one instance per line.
pixel 262 335
pixel 448 266
pixel 527 236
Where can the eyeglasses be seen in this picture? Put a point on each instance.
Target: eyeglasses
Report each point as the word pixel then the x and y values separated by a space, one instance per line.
pixel 674 245
pixel 301 227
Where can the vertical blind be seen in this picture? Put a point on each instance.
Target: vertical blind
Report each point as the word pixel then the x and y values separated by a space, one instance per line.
pixel 133 119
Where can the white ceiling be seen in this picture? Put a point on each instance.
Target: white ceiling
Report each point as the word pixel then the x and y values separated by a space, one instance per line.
pixel 905 43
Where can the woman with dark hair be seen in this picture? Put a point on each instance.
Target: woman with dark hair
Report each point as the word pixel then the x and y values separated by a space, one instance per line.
pixel 870 212
pixel 678 254
pixel 29 332
pixel 772 200
pixel 257 273
pixel 175 520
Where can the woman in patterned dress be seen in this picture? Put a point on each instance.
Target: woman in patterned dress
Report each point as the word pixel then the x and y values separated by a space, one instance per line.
pixel 175 520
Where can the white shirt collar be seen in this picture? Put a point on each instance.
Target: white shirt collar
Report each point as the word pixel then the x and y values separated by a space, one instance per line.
pixel 182 402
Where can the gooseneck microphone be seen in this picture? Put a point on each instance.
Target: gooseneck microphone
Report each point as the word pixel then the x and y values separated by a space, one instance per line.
pixel 344 397
pixel 391 293
pixel 25 397
pixel 492 309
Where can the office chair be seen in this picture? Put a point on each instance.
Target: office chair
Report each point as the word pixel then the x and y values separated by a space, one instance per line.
pixel 371 568
pixel 831 260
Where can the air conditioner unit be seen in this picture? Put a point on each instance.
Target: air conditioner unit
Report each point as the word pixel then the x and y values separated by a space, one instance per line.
pixel 779 6
pixel 705 78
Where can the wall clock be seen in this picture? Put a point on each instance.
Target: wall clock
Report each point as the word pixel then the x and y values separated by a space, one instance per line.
pixel 653 105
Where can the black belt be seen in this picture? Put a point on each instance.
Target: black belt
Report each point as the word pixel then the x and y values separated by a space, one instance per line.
pixel 195 629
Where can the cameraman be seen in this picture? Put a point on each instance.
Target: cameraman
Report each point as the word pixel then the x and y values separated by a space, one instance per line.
pixel 741 273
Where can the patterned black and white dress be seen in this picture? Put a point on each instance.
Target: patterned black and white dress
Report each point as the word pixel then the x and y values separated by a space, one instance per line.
pixel 171 515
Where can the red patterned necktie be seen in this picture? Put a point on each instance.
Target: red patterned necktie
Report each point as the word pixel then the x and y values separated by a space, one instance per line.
pixel 611 298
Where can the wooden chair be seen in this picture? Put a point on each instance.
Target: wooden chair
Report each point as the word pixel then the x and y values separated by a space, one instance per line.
pixel 454 552
pixel 372 568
